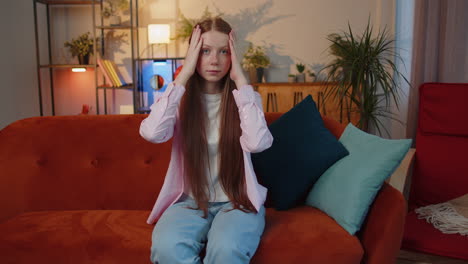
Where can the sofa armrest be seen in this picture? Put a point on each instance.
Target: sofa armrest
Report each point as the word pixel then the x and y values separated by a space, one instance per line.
pixel 382 232
pixel 400 177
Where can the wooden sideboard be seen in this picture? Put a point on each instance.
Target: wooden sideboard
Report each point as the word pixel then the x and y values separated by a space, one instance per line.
pixel 281 97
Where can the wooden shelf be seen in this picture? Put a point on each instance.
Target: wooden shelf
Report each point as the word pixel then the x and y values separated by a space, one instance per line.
pixel 124 87
pixel 67 66
pixel 56 2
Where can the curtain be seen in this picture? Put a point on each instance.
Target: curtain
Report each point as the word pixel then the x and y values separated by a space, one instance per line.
pixel 440 49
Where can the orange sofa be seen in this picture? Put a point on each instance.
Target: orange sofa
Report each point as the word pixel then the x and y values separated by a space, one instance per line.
pixel 78 189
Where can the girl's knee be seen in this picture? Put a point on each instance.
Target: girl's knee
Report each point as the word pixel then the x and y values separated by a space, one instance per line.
pixel 227 250
pixel 163 249
pixel 170 248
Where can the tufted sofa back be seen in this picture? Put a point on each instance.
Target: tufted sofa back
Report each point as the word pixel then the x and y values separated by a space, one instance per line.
pixel 79 162
pixel 83 162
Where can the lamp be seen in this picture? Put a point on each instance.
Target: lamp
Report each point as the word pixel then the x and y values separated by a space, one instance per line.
pixel 78 69
pixel 158 34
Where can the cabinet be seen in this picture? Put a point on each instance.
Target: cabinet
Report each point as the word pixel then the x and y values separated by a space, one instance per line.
pixel 281 97
pixel 49 44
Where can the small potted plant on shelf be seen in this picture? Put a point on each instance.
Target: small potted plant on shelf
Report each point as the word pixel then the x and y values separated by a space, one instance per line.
pixel 111 10
pixel 81 47
pixel 255 61
pixel 300 69
pixel 310 76
pixel 291 78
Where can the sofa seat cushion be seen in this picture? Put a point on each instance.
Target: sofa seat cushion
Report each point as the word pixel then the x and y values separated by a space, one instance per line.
pixel 306 235
pixel 300 235
pixel 422 236
pixel 107 236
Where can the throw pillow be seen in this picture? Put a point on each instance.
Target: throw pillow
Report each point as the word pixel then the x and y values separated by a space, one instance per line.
pixel 347 189
pixel 303 148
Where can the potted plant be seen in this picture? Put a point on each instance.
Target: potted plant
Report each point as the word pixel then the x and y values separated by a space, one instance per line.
pixel 310 76
pixel 300 69
pixel 185 25
pixel 255 60
pixel 81 47
pixel 363 75
pixel 111 10
pixel 291 78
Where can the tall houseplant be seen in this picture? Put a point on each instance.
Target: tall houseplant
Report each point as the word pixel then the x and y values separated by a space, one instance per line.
pixel 363 76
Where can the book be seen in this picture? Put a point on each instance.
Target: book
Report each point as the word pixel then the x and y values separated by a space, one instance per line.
pixel 112 72
pixel 119 74
pixel 104 71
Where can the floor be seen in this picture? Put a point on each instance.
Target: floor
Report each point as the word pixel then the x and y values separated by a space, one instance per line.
pixel 409 257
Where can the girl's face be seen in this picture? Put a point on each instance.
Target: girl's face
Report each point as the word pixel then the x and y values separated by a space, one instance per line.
pixel 214 60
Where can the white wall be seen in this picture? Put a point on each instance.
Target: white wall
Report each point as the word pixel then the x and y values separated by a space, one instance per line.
pixel 292 31
pixel 18 81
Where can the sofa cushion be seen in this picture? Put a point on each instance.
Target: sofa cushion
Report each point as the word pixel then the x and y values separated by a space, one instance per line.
pixel 422 236
pixel 76 237
pixel 305 235
pixel 443 109
pixel 124 237
pixel 440 168
pixel 303 148
pixel 347 189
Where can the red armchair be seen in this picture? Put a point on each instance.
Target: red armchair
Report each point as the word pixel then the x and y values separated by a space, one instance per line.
pixel 441 166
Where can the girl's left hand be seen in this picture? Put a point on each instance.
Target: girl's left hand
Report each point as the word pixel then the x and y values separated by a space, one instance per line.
pixel 236 74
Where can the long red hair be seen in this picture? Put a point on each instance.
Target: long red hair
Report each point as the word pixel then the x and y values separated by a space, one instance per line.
pixel 194 143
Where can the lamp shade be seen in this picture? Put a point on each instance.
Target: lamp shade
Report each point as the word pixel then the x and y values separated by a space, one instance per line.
pixel 158 33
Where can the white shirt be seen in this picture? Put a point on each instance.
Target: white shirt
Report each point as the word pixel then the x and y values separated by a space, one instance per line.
pixel 212 105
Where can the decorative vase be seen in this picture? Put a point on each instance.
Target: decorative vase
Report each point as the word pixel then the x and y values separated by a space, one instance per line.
pixel 252 75
pixel 83 59
pixel 300 77
pixel 260 72
pixel 114 20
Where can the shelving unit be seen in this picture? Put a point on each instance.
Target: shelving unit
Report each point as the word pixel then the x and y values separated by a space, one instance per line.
pixel 98 29
pixel 134 47
pixel 50 65
pixel 175 63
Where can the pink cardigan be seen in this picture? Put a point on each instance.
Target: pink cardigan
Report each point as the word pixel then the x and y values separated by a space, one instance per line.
pixel 162 124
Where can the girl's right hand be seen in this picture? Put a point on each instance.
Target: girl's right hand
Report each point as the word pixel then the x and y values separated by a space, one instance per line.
pixel 190 64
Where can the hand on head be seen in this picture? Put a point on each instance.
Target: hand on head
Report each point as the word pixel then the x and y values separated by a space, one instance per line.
pixel 190 64
pixel 236 74
pixel 193 54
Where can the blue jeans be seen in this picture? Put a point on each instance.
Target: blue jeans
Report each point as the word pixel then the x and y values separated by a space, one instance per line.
pixel 181 233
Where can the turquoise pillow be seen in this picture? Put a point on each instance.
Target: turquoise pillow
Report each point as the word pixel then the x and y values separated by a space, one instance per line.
pixel 347 189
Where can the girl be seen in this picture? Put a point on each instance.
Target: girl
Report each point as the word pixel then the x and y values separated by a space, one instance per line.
pixel 210 193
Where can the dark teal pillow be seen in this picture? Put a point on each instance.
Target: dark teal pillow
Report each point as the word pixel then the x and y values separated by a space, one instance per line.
pixel 303 148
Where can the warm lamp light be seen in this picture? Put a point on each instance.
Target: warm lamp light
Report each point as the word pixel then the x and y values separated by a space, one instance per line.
pixel 159 34
pixel 78 69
